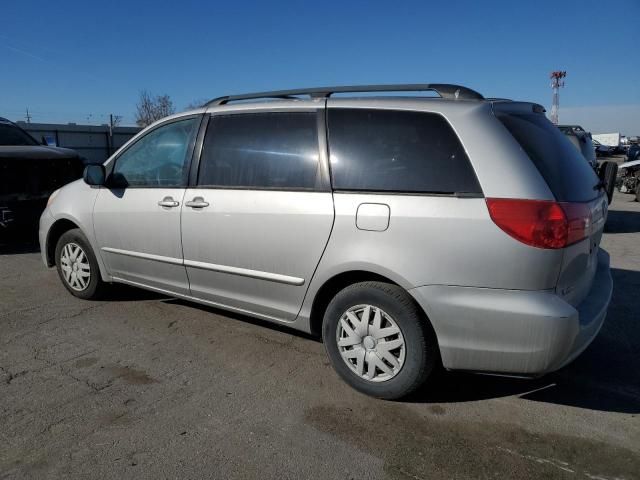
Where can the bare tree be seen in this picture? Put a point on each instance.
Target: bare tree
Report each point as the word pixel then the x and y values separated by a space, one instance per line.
pixel 150 108
pixel 164 106
pixel 115 120
pixel 145 110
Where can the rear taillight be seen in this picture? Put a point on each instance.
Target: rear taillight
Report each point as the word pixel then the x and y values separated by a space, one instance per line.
pixel 541 223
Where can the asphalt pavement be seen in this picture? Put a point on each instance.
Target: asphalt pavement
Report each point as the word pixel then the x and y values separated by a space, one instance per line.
pixel 145 386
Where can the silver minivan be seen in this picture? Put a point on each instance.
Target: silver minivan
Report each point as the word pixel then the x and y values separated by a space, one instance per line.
pixel 410 232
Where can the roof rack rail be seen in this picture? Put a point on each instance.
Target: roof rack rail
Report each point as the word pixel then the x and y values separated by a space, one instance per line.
pixel 445 90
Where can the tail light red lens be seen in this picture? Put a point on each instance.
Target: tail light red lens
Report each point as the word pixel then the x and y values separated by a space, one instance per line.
pixel 541 223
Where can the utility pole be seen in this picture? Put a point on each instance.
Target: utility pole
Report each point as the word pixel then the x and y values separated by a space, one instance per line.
pixel 110 139
pixel 114 121
pixel 28 116
pixel 556 83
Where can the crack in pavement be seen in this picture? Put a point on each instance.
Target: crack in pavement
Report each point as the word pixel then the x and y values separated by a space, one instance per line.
pixel 52 318
pixel 74 315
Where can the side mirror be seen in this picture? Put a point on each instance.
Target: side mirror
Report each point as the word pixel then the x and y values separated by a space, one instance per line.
pixel 94 175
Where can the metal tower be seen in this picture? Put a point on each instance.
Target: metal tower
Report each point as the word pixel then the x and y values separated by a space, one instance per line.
pixel 556 83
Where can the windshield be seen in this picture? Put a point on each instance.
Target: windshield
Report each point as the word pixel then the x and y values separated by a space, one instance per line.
pixel 569 176
pixel 10 135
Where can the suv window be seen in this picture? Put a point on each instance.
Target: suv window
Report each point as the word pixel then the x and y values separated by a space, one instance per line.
pixel 261 150
pixel 159 158
pixel 11 135
pixel 569 176
pixel 397 151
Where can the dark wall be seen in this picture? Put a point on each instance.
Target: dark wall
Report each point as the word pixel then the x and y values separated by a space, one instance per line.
pixel 91 141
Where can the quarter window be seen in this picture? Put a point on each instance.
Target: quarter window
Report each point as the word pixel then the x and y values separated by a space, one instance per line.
pixel 569 176
pixel 158 159
pixel 397 151
pixel 261 150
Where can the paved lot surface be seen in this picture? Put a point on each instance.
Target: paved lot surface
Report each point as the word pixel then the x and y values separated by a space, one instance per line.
pixel 144 386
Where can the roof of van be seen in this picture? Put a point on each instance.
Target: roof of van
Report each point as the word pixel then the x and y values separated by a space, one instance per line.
pixel 449 95
pixel 444 90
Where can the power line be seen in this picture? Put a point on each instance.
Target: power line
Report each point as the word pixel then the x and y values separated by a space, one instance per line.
pixel 36 116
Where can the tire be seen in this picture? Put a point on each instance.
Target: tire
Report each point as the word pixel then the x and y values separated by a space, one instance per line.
pixel 415 359
pixel 607 173
pixel 74 260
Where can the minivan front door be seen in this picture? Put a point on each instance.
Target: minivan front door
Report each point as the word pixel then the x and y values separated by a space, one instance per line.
pixel 137 217
pixel 255 225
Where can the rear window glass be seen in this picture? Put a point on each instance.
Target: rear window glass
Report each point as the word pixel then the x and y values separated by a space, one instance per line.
pixel 567 173
pixel 397 151
pixel 13 136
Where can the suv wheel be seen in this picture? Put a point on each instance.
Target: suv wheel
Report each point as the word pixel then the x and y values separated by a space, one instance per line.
pixel 378 341
pixel 607 173
pixel 77 265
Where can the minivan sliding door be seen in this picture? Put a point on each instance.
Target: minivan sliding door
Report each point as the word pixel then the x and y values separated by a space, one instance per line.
pixel 255 225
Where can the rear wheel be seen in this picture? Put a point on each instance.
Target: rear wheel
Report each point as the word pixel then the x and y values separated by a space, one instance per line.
pixel 77 265
pixel 378 340
pixel 607 173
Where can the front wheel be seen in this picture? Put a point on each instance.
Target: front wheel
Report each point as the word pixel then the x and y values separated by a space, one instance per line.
pixel 77 265
pixel 378 340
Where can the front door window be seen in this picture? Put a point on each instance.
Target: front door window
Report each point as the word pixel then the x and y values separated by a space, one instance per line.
pixel 159 159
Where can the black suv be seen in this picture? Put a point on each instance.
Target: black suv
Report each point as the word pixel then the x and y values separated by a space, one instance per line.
pixel 29 173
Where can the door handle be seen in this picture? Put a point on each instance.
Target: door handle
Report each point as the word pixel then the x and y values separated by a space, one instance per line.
pixel 168 202
pixel 197 202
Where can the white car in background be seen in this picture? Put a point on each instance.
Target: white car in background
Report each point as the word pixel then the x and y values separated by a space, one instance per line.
pixel 602 150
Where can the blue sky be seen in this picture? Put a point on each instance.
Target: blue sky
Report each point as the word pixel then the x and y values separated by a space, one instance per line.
pixel 81 60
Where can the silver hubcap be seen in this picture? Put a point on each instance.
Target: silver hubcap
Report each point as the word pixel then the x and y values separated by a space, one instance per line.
pixel 75 267
pixel 370 343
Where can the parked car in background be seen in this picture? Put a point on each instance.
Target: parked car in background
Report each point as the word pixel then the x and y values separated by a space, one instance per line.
pixel 629 179
pixel 581 139
pixel 624 143
pixel 602 150
pixel 613 140
pixel 29 173
pixel 410 232
pixel 633 153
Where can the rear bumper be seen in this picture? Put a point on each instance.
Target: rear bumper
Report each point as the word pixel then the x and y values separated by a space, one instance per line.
pixel 593 309
pixel 514 331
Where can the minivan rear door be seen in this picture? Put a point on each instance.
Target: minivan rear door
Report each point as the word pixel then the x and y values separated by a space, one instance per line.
pixel 257 219
pixel 571 180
